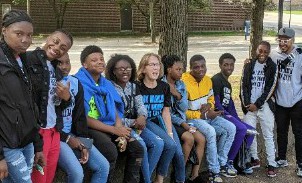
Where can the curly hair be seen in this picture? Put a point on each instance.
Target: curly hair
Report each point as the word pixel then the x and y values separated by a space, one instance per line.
pixel 168 61
pixel 88 50
pixel 144 61
pixel 226 56
pixel 196 58
pixel 112 63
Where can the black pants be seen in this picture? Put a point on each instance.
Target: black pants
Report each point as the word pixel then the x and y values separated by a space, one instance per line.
pixel 284 116
pixel 106 144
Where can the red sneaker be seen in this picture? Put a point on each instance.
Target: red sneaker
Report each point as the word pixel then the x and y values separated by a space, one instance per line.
pixel 271 171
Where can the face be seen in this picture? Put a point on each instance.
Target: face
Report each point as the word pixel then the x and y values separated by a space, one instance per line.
pixel 262 53
pixel 94 63
pixel 64 64
pixel 57 44
pixel 18 36
pixel 227 66
pixel 122 71
pixel 152 68
pixel 285 44
pixel 176 70
pixel 198 69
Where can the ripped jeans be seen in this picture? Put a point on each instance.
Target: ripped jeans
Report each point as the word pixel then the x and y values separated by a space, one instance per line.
pixel 19 163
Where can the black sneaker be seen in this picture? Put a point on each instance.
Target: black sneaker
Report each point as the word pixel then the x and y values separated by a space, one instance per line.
pixel 215 178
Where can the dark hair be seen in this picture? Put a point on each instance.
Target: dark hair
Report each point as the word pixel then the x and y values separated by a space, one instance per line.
pixel 14 16
pixel 266 44
pixel 196 58
pixel 113 61
pixel 168 61
pixel 226 56
pixel 64 31
pixel 88 50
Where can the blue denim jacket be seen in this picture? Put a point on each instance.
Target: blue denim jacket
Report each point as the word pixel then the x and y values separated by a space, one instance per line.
pixel 178 107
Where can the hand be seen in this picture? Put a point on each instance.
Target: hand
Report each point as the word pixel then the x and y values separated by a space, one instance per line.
pixel 246 61
pixel 122 143
pixel 74 143
pixel 39 159
pixel 122 131
pixel 205 107
pixel 213 114
pixel 3 169
pixel 84 156
pixel 251 107
pixel 174 92
pixel 140 123
pixel 62 91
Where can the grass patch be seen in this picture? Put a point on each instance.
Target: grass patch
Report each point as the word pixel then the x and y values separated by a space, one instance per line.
pixel 216 33
pixel 293 12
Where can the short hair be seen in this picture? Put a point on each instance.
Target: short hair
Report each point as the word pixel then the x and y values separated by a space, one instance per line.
pixel 168 61
pixel 266 44
pixel 226 56
pixel 112 63
pixel 144 61
pixel 196 58
pixel 14 16
pixel 68 34
pixel 88 50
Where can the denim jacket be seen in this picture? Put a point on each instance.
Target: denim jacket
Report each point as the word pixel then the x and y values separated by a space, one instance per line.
pixel 178 107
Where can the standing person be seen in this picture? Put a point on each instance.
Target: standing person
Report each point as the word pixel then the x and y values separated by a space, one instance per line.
pixel 157 99
pixel 224 102
pixel 104 109
pixel 202 115
pixel 173 69
pixel 288 57
pixel 74 130
pixel 258 83
pixel 51 96
pixel 121 70
pixel 21 145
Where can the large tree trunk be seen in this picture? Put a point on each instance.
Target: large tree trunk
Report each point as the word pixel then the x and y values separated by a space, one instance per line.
pixel 173 28
pixel 256 25
pixel 280 14
pixel 152 20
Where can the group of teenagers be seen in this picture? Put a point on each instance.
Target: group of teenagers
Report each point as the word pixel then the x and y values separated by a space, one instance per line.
pixel 154 114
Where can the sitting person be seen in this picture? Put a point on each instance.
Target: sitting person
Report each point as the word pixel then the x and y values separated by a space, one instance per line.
pixel 75 125
pixel 202 115
pixel 121 70
pixel 104 109
pixel 173 69
pixel 224 102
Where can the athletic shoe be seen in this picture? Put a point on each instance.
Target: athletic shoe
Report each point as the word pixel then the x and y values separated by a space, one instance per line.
pixel 281 162
pixel 215 178
pixel 255 163
pixel 228 172
pixel 271 171
pixel 248 169
pixel 299 170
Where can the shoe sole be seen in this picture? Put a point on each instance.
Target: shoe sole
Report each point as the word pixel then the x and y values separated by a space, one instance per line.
pixel 229 176
pixel 282 166
pixel 272 176
pixel 256 166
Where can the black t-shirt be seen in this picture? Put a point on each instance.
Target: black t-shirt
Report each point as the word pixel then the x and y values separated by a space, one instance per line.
pixel 155 99
pixel 222 88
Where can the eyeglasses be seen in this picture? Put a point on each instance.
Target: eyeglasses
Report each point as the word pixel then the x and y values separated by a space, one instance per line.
pixel 122 69
pixel 153 64
pixel 283 41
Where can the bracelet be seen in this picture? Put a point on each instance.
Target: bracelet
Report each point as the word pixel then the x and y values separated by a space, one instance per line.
pixel 205 115
pixel 67 139
pixel 171 133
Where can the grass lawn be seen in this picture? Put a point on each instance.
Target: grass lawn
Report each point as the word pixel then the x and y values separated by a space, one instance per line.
pixel 293 12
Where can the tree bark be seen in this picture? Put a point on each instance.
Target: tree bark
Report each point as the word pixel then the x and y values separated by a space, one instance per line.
pixel 257 16
pixel 152 20
pixel 280 14
pixel 174 28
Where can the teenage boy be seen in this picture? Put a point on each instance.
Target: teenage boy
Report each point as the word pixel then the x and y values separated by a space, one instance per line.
pixel 288 57
pixel 75 130
pixel 201 113
pixel 224 102
pixel 258 82
pixel 51 96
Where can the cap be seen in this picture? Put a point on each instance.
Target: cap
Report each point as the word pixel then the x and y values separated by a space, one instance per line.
pixel 286 32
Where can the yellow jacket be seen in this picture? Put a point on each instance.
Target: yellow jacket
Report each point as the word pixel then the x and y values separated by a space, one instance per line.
pixel 198 94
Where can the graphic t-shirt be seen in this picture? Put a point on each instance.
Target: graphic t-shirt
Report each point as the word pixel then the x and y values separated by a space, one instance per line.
pixel 51 112
pixel 223 89
pixel 93 112
pixel 155 99
pixel 258 81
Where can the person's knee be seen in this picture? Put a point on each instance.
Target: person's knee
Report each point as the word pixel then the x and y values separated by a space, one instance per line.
pixel 170 145
pixel 200 139
pixel 187 139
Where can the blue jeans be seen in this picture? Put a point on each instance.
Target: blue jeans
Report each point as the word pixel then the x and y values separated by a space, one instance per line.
pixel 153 147
pixel 70 164
pixel 178 159
pixel 216 153
pixel 19 163
pixel 169 148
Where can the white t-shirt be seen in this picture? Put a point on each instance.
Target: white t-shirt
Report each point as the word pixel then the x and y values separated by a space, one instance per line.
pixel 258 81
pixel 51 112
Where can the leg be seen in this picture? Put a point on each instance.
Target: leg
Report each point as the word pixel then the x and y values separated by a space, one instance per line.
pixel 282 122
pixel 53 156
pixel 211 151
pixel 70 164
pixel 178 159
pixel 28 152
pixel 99 166
pixel 250 118
pixel 200 142
pixel 187 140
pixel 16 163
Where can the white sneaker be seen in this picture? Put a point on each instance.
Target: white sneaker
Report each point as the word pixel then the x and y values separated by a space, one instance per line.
pixel 282 163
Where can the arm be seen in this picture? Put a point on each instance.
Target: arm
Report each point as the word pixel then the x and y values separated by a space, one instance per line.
pixel 245 82
pixel 167 119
